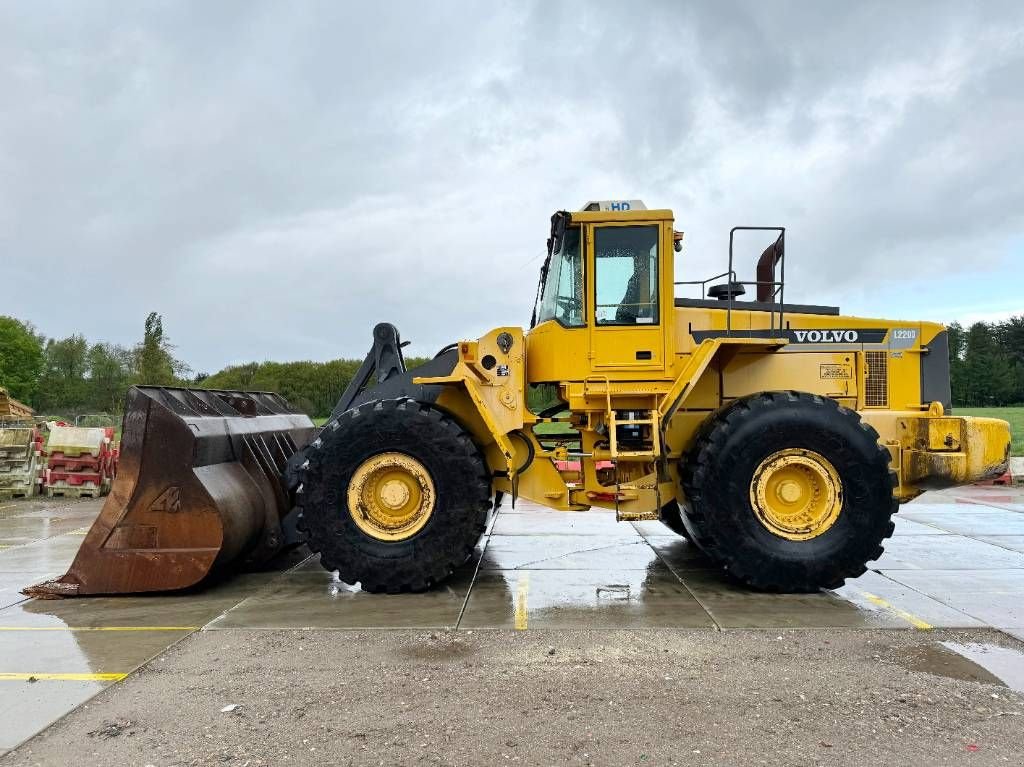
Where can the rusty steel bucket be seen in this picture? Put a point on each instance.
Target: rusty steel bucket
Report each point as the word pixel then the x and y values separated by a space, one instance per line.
pixel 199 486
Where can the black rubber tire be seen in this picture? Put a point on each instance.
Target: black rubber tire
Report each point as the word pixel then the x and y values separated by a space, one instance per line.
pixel 461 481
pixel 717 473
pixel 672 518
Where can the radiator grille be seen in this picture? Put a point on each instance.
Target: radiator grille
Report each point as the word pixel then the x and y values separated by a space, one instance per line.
pixel 876 382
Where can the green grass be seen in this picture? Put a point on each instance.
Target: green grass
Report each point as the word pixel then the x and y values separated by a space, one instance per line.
pixel 1015 415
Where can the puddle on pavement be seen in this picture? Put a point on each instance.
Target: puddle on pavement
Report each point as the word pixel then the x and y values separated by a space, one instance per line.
pixel 1003 662
pixel 971 662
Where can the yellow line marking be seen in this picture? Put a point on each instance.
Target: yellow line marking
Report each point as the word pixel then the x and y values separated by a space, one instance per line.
pixel 79 531
pixel 522 589
pixel 913 620
pixel 15 677
pixel 99 628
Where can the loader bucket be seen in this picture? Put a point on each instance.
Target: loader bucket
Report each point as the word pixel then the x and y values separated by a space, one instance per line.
pixel 198 487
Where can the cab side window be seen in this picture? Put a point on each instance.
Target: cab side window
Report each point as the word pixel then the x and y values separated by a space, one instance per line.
pixel 562 294
pixel 626 283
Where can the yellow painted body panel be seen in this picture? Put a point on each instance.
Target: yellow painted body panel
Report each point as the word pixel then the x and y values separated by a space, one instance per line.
pixel 670 375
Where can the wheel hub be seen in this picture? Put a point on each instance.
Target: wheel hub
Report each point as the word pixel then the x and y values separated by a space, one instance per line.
pixel 796 494
pixel 391 496
pixel 394 494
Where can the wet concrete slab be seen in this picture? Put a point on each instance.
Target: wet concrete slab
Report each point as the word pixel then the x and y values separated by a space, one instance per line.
pixel 188 609
pixel 26 707
pixel 315 598
pixel 905 526
pixel 554 599
pixel 648 529
pixel 875 593
pixel 955 561
pixel 562 523
pixel 947 552
pixel 1010 501
pixel 1012 542
pixel 11 585
pixel 991 596
pixel 679 554
pixel 972 521
pixel 25 530
pixel 75 648
pixel 567 552
pixel 733 607
pixel 44 652
pixel 49 554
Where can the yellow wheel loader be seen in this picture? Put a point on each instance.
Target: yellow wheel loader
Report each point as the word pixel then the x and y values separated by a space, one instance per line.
pixel 778 437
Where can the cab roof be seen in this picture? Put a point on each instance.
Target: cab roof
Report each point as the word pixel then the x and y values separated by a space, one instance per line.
pixel 632 214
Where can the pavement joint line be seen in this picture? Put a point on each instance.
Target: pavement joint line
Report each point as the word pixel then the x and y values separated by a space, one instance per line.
pixel 260 591
pixel 625 542
pixel 998 505
pixel 910 618
pixel 7 676
pixel 704 607
pixel 985 623
pixel 997 545
pixel 100 628
pixel 476 571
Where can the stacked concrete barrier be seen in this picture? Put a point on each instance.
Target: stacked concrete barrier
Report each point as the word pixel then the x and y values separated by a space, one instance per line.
pixel 18 462
pixel 80 462
pixel 10 408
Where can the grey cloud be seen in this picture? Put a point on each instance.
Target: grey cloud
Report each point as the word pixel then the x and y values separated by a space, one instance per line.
pixel 275 179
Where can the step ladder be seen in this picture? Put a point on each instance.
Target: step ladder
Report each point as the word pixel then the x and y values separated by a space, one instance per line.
pixel 651 419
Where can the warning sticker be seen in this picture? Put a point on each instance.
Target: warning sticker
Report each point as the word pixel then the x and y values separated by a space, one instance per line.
pixel 832 371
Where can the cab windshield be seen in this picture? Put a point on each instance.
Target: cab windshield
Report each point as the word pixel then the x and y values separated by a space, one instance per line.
pixel 561 296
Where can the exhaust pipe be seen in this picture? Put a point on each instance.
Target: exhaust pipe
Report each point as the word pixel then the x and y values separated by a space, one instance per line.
pixel 199 487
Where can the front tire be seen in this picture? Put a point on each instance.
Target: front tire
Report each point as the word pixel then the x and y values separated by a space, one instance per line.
pixel 789 492
pixel 394 496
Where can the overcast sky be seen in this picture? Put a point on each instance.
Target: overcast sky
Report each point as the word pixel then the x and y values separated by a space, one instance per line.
pixel 275 178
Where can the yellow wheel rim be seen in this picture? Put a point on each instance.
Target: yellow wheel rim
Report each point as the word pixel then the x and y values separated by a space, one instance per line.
pixel 796 494
pixel 391 496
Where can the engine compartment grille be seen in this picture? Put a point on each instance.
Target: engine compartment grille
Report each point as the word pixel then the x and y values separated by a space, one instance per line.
pixel 876 380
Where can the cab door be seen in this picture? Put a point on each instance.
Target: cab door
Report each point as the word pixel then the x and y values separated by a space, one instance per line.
pixel 625 296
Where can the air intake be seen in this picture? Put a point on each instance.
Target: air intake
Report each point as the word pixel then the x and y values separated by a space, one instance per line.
pixel 876 381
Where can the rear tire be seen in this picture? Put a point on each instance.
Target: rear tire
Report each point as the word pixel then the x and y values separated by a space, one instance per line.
pixel 461 501
pixel 721 473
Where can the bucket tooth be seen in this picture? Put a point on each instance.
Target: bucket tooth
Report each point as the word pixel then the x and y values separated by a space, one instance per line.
pixel 198 488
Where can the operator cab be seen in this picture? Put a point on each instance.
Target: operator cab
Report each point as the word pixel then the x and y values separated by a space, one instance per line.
pixel 605 292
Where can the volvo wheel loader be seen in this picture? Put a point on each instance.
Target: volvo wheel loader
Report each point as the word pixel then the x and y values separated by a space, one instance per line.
pixel 778 437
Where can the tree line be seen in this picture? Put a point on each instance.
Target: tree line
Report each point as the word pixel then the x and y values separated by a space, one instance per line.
pixel 311 387
pixel 71 376
pixel 986 363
